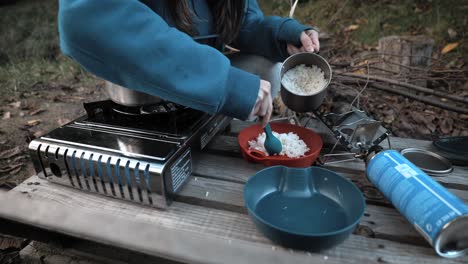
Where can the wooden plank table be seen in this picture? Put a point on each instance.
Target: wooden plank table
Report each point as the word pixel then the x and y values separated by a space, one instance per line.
pixel 208 222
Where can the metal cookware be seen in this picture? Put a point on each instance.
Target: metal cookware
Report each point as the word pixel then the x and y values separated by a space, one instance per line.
pixel 301 103
pixel 304 208
pixel 427 161
pixel 128 97
pixel 454 148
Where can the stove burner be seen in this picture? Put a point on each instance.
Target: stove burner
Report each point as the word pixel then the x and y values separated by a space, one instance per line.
pixel 163 107
pixel 164 117
pixel 354 128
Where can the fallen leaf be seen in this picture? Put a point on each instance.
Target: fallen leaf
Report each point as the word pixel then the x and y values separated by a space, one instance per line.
pixel 456 132
pixel 422 130
pixel 446 126
pixel 19 158
pixel 363 62
pixel 431 126
pixel 465 92
pixel 418 117
pixel 10 99
pixel 449 47
pixel 11 168
pixel 67 89
pixel 6 115
pixel 38 133
pixel 452 33
pixel 389 119
pixel 361 21
pixel 63 121
pixel 29 94
pixel 6 154
pixel 429 112
pixel 34 122
pixel 16 104
pixel 81 90
pixel 21 114
pixel 351 28
pixel 25 107
pixel 360 71
pixel 35 112
pixel 15 171
pixel 67 98
pixel 381 106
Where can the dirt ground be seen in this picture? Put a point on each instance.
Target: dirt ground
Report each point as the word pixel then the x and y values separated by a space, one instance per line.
pixel 33 113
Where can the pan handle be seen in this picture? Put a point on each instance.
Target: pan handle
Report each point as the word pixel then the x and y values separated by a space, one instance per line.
pixel 257 153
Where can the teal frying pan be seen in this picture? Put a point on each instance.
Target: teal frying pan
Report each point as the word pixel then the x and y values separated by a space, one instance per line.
pixel 303 208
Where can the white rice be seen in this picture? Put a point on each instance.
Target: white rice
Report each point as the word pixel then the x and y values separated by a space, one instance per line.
pixel 304 80
pixel 293 146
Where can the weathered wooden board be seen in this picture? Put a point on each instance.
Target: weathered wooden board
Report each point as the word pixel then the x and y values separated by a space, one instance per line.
pixel 378 221
pixel 237 170
pixel 227 146
pixel 187 230
pixel 208 222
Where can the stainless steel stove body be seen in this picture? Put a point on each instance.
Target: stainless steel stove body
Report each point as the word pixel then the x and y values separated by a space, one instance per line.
pixel 140 154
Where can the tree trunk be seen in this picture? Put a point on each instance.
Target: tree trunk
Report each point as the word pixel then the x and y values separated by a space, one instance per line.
pixel 400 54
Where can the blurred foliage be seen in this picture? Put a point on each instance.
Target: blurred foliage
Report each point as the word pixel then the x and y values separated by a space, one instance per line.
pixel 437 19
pixel 29 48
pixel 28 31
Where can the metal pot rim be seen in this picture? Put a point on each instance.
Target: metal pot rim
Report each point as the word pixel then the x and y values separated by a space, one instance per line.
pixel 433 172
pixel 306 54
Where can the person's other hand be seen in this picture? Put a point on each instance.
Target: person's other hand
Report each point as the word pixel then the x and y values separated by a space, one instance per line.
pixel 264 104
pixel 309 40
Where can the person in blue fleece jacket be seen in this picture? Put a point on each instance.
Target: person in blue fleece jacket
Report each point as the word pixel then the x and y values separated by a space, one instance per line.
pixel 171 48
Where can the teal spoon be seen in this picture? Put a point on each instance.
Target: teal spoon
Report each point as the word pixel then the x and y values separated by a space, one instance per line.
pixel 272 144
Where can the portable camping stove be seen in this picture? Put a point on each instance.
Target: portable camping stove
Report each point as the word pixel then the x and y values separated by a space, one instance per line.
pixel 355 130
pixel 139 154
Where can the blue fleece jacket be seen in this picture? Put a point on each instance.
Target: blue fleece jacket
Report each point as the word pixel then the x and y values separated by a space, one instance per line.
pixel 134 43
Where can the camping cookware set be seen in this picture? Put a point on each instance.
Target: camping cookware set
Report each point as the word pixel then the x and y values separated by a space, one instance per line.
pixel 311 208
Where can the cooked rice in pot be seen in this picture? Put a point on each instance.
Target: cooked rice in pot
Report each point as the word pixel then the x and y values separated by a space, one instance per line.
pixel 304 80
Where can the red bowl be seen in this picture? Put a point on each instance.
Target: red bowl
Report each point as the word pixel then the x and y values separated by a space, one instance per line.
pixel 310 138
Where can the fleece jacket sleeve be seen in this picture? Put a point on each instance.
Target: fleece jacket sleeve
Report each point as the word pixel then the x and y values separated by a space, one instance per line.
pixel 127 43
pixel 267 35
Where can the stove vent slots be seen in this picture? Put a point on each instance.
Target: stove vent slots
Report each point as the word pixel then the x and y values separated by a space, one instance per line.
pixel 113 176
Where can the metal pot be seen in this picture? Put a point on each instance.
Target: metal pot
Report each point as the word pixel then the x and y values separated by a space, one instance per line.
pixel 305 103
pixel 128 97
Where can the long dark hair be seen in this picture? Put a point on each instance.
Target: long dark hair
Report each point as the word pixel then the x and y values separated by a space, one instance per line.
pixel 227 15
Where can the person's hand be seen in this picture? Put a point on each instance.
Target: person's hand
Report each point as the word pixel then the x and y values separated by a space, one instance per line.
pixel 264 105
pixel 309 40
